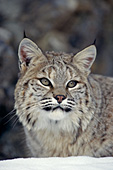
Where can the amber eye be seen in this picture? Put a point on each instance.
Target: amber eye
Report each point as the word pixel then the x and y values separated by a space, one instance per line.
pixel 72 84
pixel 45 82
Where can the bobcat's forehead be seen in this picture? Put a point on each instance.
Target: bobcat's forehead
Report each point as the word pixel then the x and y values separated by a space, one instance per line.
pixel 58 67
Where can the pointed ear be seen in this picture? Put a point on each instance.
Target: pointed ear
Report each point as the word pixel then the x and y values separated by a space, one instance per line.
pixel 27 50
pixel 85 58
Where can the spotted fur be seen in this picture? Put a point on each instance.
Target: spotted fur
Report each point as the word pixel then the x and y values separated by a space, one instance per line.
pixel 81 124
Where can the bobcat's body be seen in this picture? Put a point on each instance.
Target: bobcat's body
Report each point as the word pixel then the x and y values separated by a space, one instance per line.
pixel 64 109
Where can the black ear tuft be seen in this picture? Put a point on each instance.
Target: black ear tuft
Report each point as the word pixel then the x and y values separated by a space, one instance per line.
pixel 24 35
pixel 94 43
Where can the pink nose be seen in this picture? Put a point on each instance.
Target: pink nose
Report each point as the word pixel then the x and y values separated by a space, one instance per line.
pixel 59 98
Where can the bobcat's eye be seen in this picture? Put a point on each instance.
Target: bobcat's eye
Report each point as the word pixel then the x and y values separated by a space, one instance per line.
pixel 45 82
pixel 72 84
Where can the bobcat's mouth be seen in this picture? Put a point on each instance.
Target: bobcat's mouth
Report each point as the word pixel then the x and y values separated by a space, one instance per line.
pixel 57 107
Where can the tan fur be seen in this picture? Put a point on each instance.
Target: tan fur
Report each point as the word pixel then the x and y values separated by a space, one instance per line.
pixel 86 127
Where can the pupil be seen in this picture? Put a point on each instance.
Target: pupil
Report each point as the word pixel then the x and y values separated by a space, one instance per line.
pixel 45 81
pixel 72 83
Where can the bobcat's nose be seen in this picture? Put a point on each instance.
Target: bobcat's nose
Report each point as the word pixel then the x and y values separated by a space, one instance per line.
pixel 59 98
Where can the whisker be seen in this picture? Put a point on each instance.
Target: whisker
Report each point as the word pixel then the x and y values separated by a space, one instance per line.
pixel 45 98
pixel 10 113
pixel 45 102
pixel 11 118
pixel 29 106
pixel 46 105
pixel 15 122
pixel 26 108
pixel 97 119
pixel 71 103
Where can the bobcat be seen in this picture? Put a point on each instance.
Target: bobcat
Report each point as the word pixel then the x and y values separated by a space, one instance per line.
pixel 65 110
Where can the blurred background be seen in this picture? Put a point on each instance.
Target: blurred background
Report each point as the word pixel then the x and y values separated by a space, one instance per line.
pixel 59 25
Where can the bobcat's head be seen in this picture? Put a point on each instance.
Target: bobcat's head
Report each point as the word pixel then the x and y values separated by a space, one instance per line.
pixel 53 88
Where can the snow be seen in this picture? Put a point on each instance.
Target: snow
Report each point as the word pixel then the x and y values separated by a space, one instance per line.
pixel 69 163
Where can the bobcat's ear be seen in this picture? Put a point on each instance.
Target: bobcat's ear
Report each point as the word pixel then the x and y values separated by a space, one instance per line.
pixel 85 58
pixel 27 50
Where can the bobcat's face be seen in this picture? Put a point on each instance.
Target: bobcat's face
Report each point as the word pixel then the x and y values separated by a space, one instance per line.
pixel 57 90
pixel 53 88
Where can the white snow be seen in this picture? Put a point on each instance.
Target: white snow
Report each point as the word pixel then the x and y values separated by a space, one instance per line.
pixel 69 163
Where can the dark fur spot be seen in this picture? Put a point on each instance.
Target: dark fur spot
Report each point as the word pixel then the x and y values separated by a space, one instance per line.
pixel 93 134
pixel 80 102
pixel 33 122
pixel 81 111
pixel 28 118
pixel 87 102
pixel 102 140
pixel 34 89
pixel 47 108
pixel 27 107
pixel 67 109
pixel 31 95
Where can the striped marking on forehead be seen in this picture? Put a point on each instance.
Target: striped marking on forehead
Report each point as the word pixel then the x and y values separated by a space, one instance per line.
pixel 60 70
pixel 51 72
pixel 48 71
pixel 55 66
pixel 69 72
pixel 72 72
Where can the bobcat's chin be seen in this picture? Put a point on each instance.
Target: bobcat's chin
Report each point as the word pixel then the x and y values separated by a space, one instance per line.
pixel 57 114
